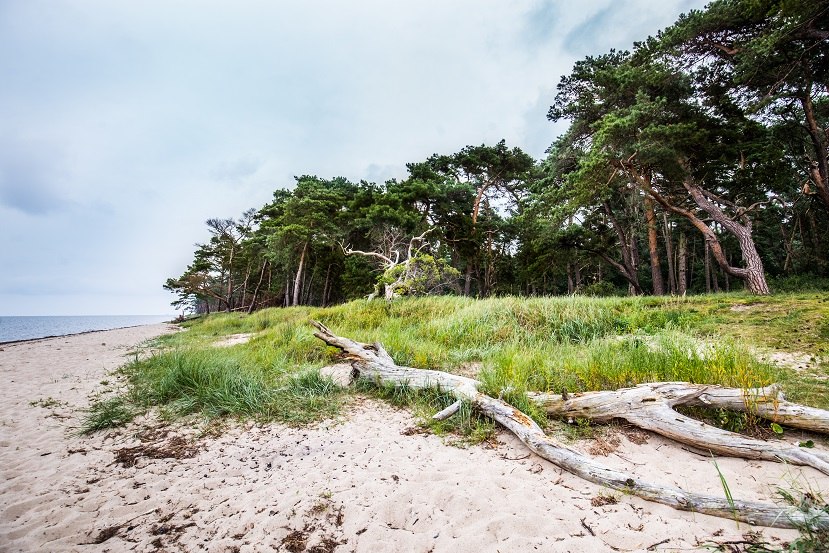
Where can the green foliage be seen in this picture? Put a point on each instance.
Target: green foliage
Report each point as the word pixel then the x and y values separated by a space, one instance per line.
pixel 423 275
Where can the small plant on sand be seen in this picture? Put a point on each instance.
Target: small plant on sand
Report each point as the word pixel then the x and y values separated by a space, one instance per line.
pixel 108 413
pixel 812 539
pixel 727 490
pixel 47 402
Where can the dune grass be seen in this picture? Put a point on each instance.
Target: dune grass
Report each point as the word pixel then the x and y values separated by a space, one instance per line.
pixel 517 344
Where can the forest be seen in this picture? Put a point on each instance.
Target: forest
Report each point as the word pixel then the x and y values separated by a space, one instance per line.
pixel 697 162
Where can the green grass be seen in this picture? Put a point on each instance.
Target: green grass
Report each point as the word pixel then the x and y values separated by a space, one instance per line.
pixel 544 344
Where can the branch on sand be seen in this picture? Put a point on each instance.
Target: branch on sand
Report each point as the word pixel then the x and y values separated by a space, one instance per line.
pixel 374 362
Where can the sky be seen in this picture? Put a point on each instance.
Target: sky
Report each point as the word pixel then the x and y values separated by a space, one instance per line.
pixel 125 125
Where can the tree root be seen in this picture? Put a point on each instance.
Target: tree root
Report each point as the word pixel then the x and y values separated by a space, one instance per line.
pixel 373 362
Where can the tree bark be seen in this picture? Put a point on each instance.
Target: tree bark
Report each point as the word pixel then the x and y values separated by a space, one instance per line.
pixel 753 273
pixel 669 251
pixel 707 264
pixel 682 262
pixel 298 279
pixel 373 362
pixel 325 287
pixel 653 248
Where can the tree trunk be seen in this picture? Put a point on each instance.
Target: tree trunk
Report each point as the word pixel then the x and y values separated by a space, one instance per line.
pixel 707 264
pixel 682 262
pixel 298 279
pixel 814 233
pixel 256 290
pixel 819 171
pixel 287 301
pixel 229 300
pixel 753 273
pixel 308 295
pixel 628 266
pixel 245 287
pixel 653 248
pixel 373 362
pixel 467 280
pixel 325 287
pixel 669 251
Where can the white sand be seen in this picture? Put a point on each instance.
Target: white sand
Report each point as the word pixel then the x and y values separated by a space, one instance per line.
pixel 361 481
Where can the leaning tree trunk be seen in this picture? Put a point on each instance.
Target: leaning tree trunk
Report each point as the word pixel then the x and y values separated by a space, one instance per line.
pixel 753 272
pixel 373 362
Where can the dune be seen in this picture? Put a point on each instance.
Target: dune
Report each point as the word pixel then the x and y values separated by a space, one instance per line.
pixel 368 480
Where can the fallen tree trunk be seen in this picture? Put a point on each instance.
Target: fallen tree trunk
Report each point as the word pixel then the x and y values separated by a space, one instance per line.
pixel 768 403
pixel 650 406
pixel 372 361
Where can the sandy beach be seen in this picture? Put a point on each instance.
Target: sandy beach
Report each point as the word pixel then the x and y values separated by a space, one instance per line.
pixel 367 481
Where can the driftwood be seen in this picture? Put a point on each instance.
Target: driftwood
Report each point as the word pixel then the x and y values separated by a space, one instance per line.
pixel 373 362
pixel 650 406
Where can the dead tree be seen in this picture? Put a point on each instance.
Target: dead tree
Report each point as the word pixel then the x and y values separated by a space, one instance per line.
pixel 396 273
pixel 373 362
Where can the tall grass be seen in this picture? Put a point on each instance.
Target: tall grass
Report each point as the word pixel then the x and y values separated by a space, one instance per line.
pixel 546 344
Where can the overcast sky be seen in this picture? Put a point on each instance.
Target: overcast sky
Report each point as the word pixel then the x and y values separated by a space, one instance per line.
pixel 125 125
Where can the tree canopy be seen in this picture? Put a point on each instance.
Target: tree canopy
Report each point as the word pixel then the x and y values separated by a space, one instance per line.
pixel 696 162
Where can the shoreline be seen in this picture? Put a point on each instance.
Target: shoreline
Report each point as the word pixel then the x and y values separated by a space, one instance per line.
pixel 368 480
pixel 52 336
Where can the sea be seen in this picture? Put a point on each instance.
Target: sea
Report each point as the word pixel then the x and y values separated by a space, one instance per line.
pixel 13 329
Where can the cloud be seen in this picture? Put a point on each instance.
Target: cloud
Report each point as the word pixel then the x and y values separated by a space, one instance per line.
pixel 618 24
pixel 27 182
pixel 236 170
pixel 541 22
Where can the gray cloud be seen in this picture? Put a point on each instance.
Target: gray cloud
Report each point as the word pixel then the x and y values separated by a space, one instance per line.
pixel 27 184
pixel 541 22
pixel 236 170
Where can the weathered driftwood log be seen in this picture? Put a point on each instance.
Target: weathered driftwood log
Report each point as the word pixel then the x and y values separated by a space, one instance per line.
pixel 768 403
pixel 650 406
pixel 372 361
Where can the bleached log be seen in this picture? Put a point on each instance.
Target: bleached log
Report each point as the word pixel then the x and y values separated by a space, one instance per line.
pixel 650 406
pixel 448 412
pixel 767 403
pixel 374 362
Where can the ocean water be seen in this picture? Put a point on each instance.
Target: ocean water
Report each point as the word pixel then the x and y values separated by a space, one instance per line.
pixel 27 328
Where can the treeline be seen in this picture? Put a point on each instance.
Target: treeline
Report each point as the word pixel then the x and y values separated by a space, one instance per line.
pixel 695 163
